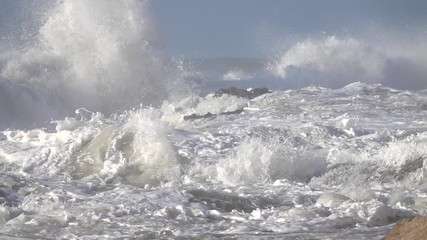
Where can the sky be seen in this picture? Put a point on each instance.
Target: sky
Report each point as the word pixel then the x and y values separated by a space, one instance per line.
pixel 259 28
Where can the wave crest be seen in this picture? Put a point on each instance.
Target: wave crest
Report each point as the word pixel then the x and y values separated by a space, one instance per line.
pixel 339 56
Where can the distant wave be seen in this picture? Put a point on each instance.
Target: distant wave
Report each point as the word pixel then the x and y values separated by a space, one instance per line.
pixel 335 62
pixel 333 55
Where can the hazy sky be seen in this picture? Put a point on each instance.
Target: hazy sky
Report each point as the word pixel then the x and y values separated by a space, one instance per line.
pixel 259 28
pixel 240 28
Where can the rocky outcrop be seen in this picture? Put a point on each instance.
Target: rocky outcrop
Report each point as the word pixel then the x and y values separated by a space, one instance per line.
pixel 210 115
pixel 249 94
pixel 409 229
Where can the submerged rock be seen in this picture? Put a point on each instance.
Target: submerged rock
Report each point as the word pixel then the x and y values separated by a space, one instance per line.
pixel 249 94
pixel 210 115
pixel 224 202
pixel 197 116
pixel 408 229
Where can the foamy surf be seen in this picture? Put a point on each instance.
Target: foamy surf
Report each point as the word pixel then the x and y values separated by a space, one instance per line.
pixel 291 164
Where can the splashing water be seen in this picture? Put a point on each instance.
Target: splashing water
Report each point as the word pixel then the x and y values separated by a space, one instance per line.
pixel 332 55
pixel 102 55
pixel 337 61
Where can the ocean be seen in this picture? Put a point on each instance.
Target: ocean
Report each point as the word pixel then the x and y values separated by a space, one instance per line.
pixel 104 137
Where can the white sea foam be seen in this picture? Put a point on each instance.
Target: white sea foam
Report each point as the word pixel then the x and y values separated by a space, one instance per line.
pixel 289 164
pixel 259 161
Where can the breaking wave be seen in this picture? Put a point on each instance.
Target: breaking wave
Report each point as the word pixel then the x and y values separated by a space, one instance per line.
pixel 333 55
pixel 335 62
pixel 101 55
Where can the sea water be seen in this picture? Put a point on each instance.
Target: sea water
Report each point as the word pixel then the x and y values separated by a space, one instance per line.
pixel 325 157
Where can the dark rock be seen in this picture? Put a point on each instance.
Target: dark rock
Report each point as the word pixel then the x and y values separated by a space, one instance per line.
pixel 233 91
pixel 238 111
pixel 197 116
pixel 258 92
pixel 210 115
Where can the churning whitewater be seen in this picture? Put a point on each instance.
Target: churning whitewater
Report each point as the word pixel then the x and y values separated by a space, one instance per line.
pixel 146 155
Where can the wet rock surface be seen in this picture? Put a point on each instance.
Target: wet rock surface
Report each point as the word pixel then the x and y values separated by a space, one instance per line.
pixel 409 229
